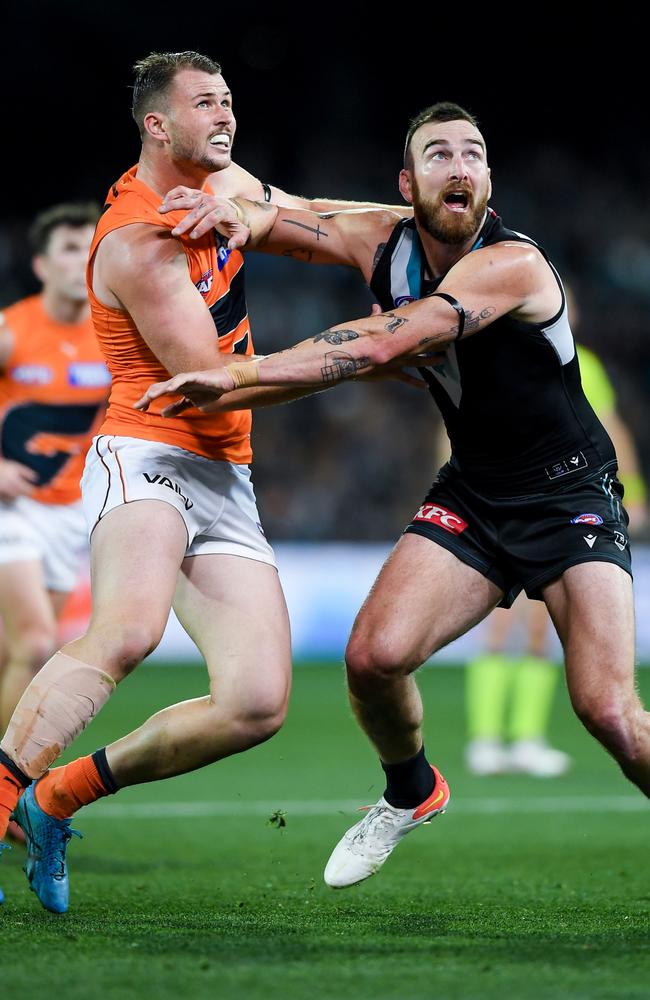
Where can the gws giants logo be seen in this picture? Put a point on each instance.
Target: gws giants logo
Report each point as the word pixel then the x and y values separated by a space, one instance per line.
pixel 438 515
pixel 164 481
pixel 587 519
pixel 204 284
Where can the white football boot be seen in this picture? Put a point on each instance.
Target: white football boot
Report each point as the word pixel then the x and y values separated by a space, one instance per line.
pixel 366 846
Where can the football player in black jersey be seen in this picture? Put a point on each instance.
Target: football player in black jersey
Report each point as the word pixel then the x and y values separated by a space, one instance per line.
pixel 529 499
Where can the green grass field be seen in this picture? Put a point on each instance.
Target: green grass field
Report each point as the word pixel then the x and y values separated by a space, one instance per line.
pixel 524 889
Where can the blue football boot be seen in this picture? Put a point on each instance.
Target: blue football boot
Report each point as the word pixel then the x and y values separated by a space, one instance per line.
pixel 47 841
pixel 3 847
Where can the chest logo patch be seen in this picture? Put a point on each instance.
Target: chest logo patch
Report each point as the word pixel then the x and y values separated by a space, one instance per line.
pixel 88 374
pixel 32 374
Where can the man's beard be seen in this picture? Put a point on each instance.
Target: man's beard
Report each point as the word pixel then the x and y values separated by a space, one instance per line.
pixel 187 150
pixel 452 228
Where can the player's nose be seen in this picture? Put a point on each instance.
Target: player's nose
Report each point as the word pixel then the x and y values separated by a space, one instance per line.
pixel 457 168
pixel 225 117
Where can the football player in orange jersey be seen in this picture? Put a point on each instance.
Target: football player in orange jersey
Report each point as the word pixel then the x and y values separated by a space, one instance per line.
pixel 170 503
pixel 53 389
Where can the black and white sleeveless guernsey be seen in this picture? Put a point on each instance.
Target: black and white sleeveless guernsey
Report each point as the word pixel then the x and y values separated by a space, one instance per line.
pixel 510 395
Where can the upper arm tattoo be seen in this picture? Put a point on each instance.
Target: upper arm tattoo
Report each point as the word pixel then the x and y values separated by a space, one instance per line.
pixel 297 253
pixel 301 225
pixel 474 320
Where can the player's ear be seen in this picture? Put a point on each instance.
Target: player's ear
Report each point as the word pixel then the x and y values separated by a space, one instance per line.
pixel 405 185
pixel 154 125
pixel 489 183
pixel 38 267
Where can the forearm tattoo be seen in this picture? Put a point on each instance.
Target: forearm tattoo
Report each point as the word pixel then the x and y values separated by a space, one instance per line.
pixel 342 366
pixel 336 337
pixel 310 229
pixel 395 322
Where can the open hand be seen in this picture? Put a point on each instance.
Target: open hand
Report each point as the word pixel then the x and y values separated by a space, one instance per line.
pixel 16 480
pixel 205 212
pixel 196 388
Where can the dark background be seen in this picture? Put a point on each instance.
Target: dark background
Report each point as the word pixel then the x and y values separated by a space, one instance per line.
pixel 323 95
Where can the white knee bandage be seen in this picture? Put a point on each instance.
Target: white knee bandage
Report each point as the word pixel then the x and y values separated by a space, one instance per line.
pixel 58 704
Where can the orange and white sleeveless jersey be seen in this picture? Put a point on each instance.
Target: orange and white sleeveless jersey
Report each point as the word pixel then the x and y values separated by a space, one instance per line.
pixel 218 274
pixel 52 398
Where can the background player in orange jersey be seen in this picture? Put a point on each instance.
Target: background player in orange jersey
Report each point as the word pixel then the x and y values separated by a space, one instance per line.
pixel 170 503
pixel 53 389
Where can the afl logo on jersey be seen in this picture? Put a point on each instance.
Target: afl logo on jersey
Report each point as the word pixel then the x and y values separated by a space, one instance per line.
pixel 401 300
pixel 204 284
pixel 587 519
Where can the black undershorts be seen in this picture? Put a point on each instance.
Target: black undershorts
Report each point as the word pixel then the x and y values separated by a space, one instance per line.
pixel 526 542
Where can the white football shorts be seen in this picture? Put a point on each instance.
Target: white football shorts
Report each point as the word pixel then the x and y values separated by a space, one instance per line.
pixel 54 533
pixel 214 498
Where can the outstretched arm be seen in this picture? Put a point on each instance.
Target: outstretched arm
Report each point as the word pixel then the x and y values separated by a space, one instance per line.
pixel 351 238
pixel 236 182
pixel 507 278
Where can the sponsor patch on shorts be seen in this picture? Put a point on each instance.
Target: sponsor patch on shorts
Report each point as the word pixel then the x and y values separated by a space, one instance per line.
pixel 587 519
pixel 432 514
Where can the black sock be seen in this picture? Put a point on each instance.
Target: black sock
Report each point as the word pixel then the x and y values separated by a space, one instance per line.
pixel 104 771
pixel 19 775
pixel 410 782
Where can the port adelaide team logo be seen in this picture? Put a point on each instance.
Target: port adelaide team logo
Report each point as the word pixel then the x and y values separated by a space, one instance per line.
pixel 587 519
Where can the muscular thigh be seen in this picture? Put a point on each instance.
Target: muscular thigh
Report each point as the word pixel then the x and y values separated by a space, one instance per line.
pixel 593 611
pixel 136 553
pixel 234 610
pixel 423 598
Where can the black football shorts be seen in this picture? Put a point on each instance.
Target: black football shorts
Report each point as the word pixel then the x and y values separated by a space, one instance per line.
pixel 526 542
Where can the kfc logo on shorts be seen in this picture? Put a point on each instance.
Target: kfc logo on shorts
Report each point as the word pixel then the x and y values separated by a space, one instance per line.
pixel 587 519
pixel 444 518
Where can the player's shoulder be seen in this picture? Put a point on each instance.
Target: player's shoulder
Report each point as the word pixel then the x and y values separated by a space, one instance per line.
pixel 369 226
pixel 513 255
pixel 144 241
pixel 235 182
